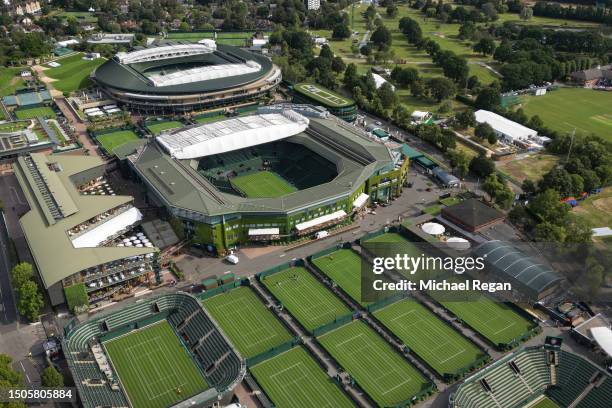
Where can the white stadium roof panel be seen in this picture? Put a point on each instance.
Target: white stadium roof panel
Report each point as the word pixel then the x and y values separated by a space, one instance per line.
pixel 320 220
pixel 232 134
pixel 102 232
pixel 205 73
pixel 163 52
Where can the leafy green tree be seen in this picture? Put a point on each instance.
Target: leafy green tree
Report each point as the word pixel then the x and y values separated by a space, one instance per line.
pixel 482 166
pixel 486 46
pixel 392 10
pixel 547 206
pixel 460 162
pixel 21 273
pixel 483 131
pixel 341 31
pixel 411 29
pixel 387 96
pixel 528 187
pixel 526 13
pixel 488 98
pixel 52 378
pixel 351 78
pixel 382 37
pixel 441 88
pixel 465 119
pixel 30 300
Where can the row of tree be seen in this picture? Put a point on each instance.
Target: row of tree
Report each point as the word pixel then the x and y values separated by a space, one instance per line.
pixel 29 299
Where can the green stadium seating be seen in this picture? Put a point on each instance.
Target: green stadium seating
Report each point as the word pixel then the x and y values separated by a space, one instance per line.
pixel 599 397
pixel 574 375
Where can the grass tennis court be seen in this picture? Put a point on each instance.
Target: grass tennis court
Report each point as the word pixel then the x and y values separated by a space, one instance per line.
pixel 327 97
pixel 263 184
pixel 586 110
pixel 444 349
pixel 157 127
pixel 312 304
pixel 73 72
pixel 37 112
pixel 154 367
pixel 496 321
pixel 543 403
pixel 109 141
pixel 251 327
pixel 377 368
pixel 343 267
pixel 294 379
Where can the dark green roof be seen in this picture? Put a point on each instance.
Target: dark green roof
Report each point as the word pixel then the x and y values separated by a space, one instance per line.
pixel 132 77
pixel 425 162
pixel 410 152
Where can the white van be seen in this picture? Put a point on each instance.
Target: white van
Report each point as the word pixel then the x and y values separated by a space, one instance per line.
pixel 233 259
pixel 321 234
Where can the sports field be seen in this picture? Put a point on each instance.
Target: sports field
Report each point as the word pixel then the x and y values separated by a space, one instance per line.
pixel 496 321
pixel 294 379
pixel 439 345
pixel 251 327
pixel 376 367
pixel 157 127
pixel 312 304
pixel 543 403
pixel 154 367
pixel 586 110
pixel 263 184
pixel 109 141
pixel 327 97
pixel 37 112
pixel 343 267
pixel 73 72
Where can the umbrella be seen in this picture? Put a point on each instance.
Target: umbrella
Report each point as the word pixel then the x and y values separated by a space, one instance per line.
pixel 458 243
pixel 433 228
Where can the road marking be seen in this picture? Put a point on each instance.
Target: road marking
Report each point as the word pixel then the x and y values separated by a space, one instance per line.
pixel 24 371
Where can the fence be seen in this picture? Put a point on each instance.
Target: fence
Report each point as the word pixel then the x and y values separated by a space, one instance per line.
pixel 223 288
pixel 327 251
pixel 273 352
pixel 339 321
pixel 386 301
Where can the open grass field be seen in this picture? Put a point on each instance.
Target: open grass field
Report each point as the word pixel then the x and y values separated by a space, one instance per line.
pixel 495 321
pixel 251 327
pixel 9 127
pixel 396 244
pixel 109 141
pixel 543 403
pixel 596 208
pixel 37 112
pixel 528 166
pixel 154 367
pixel 438 344
pixel 376 367
pixel 73 73
pixel 262 184
pixel 312 304
pixel 10 80
pixel 157 128
pixel 209 119
pixel 294 379
pixel 586 110
pixel 343 267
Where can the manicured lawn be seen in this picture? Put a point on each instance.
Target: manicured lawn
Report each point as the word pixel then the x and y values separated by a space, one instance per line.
pixel 382 372
pixel 73 73
pixel 529 166
pixel 262 184
pixel 109 141
pixel 157 127
pixel 596 208
pixel 154 367
pixel 586 110
pixel 40 111
pixel 13 126
pixel 343 267
pixel 395 243
pixel 312 304
pixel 545 403
pixel 444 349
pixel 248 323
pixel 10 80
pixel 294 379
pixel 209 119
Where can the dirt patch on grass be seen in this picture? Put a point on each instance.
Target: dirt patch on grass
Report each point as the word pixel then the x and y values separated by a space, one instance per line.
pixel 603 204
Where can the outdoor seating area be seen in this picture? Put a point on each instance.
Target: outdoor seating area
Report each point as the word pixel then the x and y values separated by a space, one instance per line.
pixel 99 186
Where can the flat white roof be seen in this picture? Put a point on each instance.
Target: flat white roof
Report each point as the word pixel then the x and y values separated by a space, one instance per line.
pixel 263 231
pixel 379 80
pixel 360 200
pixel 163 52
pixel 205 73
pixel 102 232
pixel 506 127
pixel 603 338
pixel 320 220
pixel 419 114
pixel 232 134
pixel 602 232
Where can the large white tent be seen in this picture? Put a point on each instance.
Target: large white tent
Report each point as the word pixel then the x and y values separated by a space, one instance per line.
pixel 504 128
pixel 102 232
pixel 603 338
pixel 433 228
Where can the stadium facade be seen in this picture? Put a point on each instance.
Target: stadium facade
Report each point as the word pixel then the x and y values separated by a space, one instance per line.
pixel 314 94
pixel 178 77
pixel 331 170
pixel 71 232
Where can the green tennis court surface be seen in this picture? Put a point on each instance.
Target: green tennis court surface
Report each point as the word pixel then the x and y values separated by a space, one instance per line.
pixel 157 127
pixel 109 141
pixel 375 366
pixel 343 267
pixel 496 321
pixel 37 112
pixel 154 367
pixel 251 327
pixel 445 350
pixel 293 379
pixel 543 403
pixel 312 304
pixel 324 95
pixel 262 184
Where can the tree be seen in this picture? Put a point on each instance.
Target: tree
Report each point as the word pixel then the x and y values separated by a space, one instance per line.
pixel 492 138
pixel 528 187
pixel 447 140
pixel 387 96
pixel 441 88
pixel 30 300
pixel 381 37
pixel 482 166
pixel 52 378
pixel 467 30
pixel 486 46
pixel 465 119
pixel 404 77
pixel 526 13
pixel 351 78
pixel 489 11
pixel 488 98
pixel 535 122
pixel 341 31
pixel 411 29
pixel 392 10
pixel 460 162
pixel 326 52
pixel 338 65
pixel 417 88
pixel 483 131
pixel 21 273
pixel 548 207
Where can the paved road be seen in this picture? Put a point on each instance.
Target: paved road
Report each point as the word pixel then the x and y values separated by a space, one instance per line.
pixel 8 309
